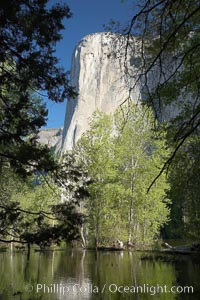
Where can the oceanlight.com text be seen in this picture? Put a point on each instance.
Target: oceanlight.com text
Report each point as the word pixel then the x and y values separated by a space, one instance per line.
pixel 112 288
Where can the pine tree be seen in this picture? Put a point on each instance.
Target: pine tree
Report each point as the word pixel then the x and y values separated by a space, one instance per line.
pixel 28 35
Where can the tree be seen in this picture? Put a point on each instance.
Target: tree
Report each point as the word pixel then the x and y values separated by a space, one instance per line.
pixel 140 153
pixel 32 213
pixel 184 192
pixel 122 159
pixel 169 39
pixel 96 151
pixel 25 207
pixel 28 66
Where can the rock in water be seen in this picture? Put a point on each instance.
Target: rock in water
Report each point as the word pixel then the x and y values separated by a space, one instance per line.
pixel 98 73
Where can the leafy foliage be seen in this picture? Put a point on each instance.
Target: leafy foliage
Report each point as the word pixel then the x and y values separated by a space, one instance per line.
pixel 184 192
pixel 168 40
pixel 140 153
pixel 28 35
pixel 33 214
pixel 167 45
pixel 123 157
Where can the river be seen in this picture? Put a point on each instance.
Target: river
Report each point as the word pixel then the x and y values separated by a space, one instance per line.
pixel 77 274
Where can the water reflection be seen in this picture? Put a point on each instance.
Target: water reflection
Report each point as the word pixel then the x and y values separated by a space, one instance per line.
pixel 72 274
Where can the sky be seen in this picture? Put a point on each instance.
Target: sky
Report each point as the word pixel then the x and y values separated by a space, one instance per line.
pixel 89 16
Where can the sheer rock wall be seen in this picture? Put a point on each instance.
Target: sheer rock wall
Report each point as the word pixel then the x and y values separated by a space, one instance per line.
pixel 98 73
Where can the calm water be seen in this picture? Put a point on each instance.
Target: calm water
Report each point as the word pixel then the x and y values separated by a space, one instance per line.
pixel 73 274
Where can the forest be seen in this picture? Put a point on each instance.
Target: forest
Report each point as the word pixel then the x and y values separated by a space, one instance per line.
pixel 132 176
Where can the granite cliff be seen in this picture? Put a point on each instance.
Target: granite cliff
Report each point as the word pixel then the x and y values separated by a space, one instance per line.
pixel 51 137
pixel 98 73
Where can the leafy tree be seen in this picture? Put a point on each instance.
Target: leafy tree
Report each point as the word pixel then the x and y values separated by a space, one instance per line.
pixel 123 158
pixel 184 192
pixel 28 35
pixel 167 47
pixel 33 214
pixel 29 68
pixel 96 151
pixel 26 207
pixel 140 154
pixel 167 41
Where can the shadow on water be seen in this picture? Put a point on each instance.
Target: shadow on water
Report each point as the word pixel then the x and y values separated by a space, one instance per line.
pixel 77 274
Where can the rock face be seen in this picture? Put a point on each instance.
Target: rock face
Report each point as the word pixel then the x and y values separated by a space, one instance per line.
pixel 51 137
pixel 98 74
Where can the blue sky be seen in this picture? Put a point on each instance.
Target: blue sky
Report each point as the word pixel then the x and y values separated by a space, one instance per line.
pixel 89 16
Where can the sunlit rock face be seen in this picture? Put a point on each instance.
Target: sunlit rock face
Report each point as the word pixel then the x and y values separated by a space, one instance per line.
pixel 99 66
pixel 51 137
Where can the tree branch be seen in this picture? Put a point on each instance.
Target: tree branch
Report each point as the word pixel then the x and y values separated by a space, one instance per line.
pixel 44 213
